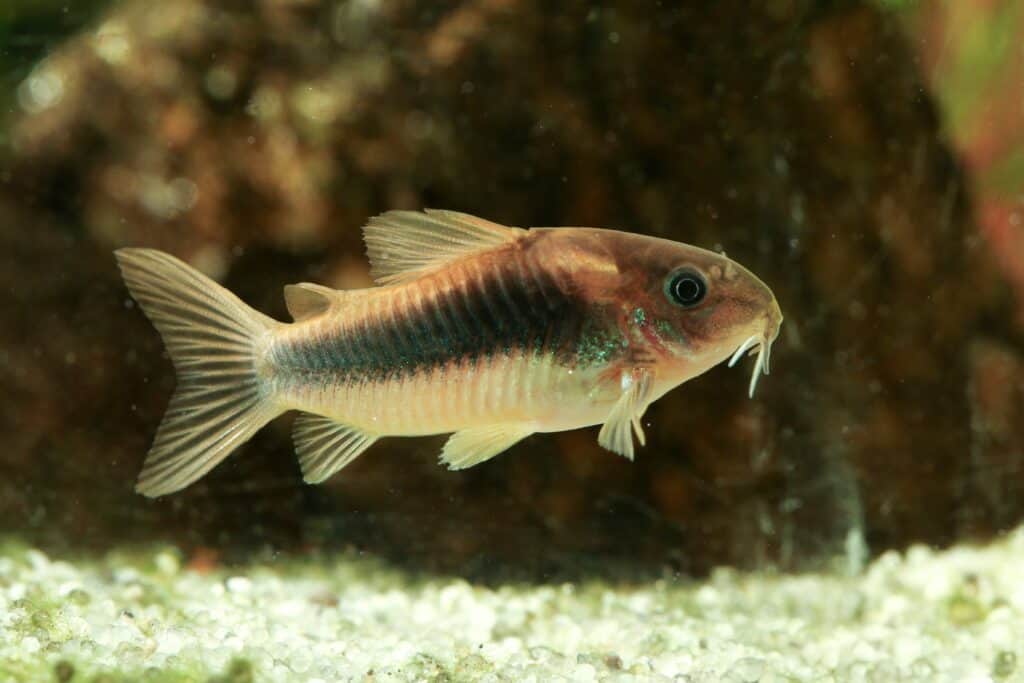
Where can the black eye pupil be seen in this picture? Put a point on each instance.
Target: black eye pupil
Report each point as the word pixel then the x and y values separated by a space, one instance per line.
pixel 688 289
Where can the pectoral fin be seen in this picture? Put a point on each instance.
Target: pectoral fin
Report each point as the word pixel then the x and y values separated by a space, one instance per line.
pixel 617 433
pixel 472 446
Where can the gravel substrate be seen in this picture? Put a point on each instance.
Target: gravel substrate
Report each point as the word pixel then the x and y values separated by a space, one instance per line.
pixel 956 615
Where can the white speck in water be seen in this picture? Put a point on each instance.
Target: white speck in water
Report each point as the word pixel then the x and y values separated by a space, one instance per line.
pixel 265 104
pixel 43 89
pixel 211 260
pixel 111 42
pixel 167 200
pixel 320 103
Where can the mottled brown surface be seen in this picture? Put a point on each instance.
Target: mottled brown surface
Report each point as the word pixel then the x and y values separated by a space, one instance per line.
pixel 798 136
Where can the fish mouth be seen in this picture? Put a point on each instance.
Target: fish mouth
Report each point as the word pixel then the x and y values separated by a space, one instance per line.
pixel 762 344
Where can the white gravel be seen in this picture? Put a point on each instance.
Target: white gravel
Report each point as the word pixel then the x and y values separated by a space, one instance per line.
pixel 956 615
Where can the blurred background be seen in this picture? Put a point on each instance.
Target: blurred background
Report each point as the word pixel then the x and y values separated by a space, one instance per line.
pixel 866 159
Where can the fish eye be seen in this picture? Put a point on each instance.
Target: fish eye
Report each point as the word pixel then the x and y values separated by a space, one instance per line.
pixel 686 288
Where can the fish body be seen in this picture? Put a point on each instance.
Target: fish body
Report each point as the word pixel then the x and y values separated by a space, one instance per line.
pixel 490 332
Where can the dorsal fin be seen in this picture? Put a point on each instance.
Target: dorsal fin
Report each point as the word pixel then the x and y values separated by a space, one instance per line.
pixel 306 300
pixel 403 245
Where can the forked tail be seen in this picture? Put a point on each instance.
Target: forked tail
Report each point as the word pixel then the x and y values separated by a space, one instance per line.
pixel 213 340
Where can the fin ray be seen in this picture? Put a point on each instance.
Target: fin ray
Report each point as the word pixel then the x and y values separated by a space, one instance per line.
pixel 403 245
pixel 325 446
pixel 617 432
pixel 475 445
pixel 211 336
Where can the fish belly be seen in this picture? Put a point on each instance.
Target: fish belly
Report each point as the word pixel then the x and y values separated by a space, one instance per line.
pixel 539 391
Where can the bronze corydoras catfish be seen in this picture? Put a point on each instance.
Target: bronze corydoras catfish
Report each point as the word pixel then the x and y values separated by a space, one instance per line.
pixel 491 332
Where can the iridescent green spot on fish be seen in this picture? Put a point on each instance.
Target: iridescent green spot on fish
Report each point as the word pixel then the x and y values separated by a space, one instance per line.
pixel 491 332
pixel 666 331
pixel 598 346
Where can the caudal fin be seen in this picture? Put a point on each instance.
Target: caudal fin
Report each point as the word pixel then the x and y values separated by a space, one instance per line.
pixel 213 339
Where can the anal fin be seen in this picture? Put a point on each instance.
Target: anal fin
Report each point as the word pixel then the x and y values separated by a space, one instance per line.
pixel 617 433
pixel 325 446
pixel 473 446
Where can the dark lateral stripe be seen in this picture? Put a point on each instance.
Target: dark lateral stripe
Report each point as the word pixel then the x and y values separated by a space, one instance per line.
pixel 479 303
pixel 476 317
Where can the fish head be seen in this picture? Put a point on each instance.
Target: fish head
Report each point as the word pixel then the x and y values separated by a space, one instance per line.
pixel 705 308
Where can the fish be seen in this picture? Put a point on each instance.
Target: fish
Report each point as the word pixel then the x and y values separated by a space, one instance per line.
pixel 483 331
